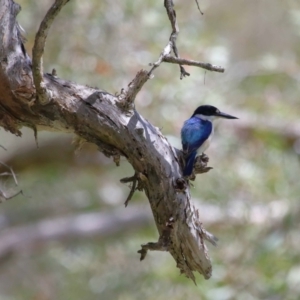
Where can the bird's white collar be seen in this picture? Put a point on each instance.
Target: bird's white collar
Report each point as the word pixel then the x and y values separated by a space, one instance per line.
pixel 206 118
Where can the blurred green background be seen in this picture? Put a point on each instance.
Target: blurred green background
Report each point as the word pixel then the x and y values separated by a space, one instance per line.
pixel 250 200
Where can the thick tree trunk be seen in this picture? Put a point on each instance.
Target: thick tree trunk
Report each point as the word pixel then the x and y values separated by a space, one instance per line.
pixel 117 128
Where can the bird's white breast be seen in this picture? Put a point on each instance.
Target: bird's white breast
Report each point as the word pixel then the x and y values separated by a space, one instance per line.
pixel 206 144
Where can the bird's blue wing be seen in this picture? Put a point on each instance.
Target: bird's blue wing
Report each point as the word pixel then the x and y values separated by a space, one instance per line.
pixel 194 133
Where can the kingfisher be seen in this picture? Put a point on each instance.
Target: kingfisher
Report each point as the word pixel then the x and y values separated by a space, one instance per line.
pixel 197 132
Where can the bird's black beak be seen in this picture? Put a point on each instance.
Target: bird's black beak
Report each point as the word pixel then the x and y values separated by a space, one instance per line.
pixel 225 116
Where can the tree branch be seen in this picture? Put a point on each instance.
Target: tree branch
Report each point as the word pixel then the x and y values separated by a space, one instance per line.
pixel 201 12
pixel 169 5
pixel 43 94
pixel 188 62
pixel 100 118
pixel 165 54
pixel 127 96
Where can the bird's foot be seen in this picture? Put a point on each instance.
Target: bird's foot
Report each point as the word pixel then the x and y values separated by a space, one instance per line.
pixel 204 158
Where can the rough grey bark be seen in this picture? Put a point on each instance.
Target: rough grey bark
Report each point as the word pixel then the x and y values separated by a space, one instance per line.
pixel 112 123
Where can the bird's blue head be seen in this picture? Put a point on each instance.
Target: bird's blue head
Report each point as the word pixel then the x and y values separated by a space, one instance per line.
pixel 209 112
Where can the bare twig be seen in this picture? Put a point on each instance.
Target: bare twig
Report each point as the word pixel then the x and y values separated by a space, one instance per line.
pixel 201 12
pixel 127 96
pixel 5 197
pixel 188 62
pixel 165 54
pixel 43 94
pixel 128 179
pixel 133 188
pixel 6 174
pixel 162 244
pixel 169 5
pixel 117 159
pixel 158 246
pixel 134 180
pixel 12 173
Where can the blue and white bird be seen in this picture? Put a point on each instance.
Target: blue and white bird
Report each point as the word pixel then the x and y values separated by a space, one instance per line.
pixel 197 132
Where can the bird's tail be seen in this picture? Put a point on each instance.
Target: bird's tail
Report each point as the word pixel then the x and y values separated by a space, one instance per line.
pixel 189 163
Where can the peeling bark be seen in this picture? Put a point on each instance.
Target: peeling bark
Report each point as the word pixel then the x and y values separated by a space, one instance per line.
pixel 112 123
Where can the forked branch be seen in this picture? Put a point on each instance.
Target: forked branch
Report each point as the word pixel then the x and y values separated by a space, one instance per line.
pixel 112 123
pixel 127 95
pixel 166 56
